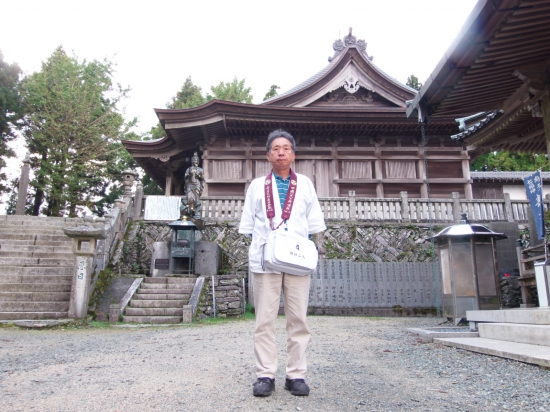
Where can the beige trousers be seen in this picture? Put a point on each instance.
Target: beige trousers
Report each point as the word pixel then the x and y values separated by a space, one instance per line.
pixel 267 293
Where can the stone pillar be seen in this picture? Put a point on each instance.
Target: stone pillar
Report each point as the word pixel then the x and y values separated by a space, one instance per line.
pixel 129 177
pixel 405 212
pixel 138 200
pixel 84 248
pixel 23 185
pixel 456 206
pixel 352 206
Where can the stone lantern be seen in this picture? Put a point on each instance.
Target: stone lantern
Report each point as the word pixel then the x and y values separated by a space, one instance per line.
pixel 128 178
pixel 469 271
pixel 182 247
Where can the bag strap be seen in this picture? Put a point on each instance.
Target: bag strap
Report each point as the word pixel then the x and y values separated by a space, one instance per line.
pixel 289 201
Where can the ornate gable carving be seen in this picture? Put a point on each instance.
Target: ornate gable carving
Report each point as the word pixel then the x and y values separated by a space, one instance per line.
pixel 349 40
pixel 358 98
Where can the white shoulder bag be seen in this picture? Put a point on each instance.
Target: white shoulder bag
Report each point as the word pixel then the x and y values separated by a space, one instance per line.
pixel 285 251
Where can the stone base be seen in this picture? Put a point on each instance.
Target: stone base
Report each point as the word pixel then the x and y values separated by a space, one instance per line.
pixel 208 256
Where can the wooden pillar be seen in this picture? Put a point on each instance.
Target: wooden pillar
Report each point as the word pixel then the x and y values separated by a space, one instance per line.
pixel 378 174
pixel 545 106
pixel 422 176
pixel 205 168
pixel 168 184
pixel 248 164
pixel 333 190
pixel 468 194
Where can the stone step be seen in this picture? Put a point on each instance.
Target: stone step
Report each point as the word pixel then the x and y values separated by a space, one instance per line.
pixel 523 352
pixel 534 316
pixel 164 287
pixel 33 315
pixel 34 306
pixel 31 247
pixel 159 296
pixel 514 332
pixel 25 219
pixel 35 237
pixel 36 270
pixel 32 279
pixel 32 242
pixel 163 291
pixel 35 287
pixel 35 296
pixel 153 319
pixel 167 303
pixel 153 311
pixel 26 261
pixel 37 255
pixel 38 228
pixel 170 280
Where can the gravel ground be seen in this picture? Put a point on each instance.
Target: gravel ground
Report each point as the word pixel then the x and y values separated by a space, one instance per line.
pixel 355 363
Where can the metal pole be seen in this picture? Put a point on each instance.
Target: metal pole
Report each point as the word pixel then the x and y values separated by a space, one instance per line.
pixel 244 299
pixel 213 296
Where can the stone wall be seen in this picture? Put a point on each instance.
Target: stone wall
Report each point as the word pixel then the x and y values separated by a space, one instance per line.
pixel 229 296
pixel 360 242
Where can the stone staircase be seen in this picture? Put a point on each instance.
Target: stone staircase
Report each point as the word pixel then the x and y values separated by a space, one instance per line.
pixel 160 300
pixel 519 334
pixel 36 266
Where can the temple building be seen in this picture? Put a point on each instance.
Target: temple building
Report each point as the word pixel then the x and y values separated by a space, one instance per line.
pixel 352 134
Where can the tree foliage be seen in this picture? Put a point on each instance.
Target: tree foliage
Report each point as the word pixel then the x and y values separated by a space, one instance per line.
pixel 190 95
pixel 235 91
pixel 10 111
pixel 72 128
pixel 509 162
pixel 412 81
pixel 272 92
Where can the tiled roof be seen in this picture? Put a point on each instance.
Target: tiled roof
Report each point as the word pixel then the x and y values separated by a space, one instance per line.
pixel 477 126
pixel 327 68
pixel 519 176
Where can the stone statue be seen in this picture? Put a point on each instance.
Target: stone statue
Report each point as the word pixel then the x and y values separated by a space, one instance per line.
pixel 191 206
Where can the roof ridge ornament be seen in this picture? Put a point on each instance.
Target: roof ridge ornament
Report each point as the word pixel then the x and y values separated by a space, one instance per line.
pixel 349 40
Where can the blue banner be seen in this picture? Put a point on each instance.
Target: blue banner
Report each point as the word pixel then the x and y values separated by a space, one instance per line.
pixel 533 186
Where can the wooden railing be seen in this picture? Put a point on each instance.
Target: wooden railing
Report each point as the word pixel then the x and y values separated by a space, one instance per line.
pixel 401 209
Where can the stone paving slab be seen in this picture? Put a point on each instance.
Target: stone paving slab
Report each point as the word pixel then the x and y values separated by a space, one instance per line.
pixel 535 316
pixel 513 332
pixel 523 352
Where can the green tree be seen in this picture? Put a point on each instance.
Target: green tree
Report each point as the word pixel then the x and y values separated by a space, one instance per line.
pixel 10 111
pixel 510 162
pixel 72 127
pixel 412 81
pixel 190 95
pixel 272 92
pixel 234 91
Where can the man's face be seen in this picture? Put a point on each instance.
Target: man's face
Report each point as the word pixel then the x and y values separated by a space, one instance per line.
pixel 281 155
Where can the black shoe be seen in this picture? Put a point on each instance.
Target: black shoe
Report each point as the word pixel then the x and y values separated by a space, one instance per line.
pixel 297 387
pixel 263 387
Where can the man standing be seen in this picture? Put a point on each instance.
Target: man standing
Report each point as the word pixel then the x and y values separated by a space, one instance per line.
pixel 306 218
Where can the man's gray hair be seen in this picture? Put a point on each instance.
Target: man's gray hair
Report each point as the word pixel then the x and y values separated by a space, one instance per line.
pixel 279 133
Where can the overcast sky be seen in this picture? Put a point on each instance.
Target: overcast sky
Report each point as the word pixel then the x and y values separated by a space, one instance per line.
pixel 157 44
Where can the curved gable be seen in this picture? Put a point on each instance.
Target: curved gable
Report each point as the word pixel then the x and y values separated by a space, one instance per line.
pixel 350 80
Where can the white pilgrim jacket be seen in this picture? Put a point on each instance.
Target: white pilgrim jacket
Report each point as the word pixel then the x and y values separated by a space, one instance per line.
pixel 306 216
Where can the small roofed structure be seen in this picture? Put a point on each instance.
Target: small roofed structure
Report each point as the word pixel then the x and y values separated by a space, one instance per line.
pixel 351 131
